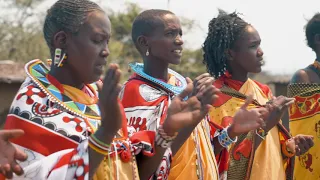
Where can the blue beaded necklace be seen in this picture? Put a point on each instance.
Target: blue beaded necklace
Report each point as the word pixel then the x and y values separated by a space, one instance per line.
pixel 138 68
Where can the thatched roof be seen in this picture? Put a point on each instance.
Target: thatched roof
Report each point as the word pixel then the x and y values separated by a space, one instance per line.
pixel 11 72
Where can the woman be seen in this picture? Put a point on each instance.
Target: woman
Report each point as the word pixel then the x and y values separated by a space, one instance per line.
pixel 157 35
pixel 68 125
pixel 231 51
pixel 304 113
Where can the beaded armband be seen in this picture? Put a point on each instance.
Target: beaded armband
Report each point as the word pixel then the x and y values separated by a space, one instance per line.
pixel 224 139
pixel 261 133
pixel 99 146
pixel 162 139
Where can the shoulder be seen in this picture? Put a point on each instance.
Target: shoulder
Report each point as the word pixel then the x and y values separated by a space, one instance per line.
pixel 302 76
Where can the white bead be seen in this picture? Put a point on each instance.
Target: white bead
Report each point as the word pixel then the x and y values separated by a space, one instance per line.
pixel 79 171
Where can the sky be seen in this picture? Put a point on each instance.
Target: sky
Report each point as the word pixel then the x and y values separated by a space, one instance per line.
pixel 280 24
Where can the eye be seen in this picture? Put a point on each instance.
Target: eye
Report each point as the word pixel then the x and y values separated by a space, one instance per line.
pixel 170 33
pixel 98 41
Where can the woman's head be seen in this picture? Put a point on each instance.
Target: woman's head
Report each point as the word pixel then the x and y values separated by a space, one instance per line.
pixel 157 36
pixel 232 45
pixel 82 30
pixel 313 33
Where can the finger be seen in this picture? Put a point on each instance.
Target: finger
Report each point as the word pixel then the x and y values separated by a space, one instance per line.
pixel 187 90
pixel 16 168
pixel 205 81
pixel 298 151
pixel 289 103
pixel 8 172
pixel 207 96
pixel 107 81
pixel 112 82
pixel 12 133
pixel 20 155
pixel 99 86
pixel 247 102
pixel 309 140
pixel 202 76
pixel 116 83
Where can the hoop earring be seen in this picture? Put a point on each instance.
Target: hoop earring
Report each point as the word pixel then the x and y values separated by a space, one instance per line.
pixel 147 53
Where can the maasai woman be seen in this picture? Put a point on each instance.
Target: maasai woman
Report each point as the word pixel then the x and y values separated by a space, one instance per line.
pixel 146 96
pixel 68 133
pixel 232 51
pixel 304 113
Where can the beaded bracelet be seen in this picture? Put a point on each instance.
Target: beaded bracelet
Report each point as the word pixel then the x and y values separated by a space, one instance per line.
pixel 224 139
pixel 99 146
pixel 162 139
pixel 261 133
pixel 285 150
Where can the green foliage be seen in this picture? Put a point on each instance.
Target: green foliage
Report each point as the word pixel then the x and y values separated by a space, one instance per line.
pixel 22 39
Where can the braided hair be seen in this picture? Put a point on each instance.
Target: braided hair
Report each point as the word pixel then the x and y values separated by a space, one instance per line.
pixel 224 31
pixel 68 16
pixel 312 29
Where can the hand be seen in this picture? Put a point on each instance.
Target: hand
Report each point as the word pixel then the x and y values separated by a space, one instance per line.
pixel 185 113
pixel 300 144
pixel 246 120
pixel 276 108
pixel 9 154
pixel 200 83
pixel 111 116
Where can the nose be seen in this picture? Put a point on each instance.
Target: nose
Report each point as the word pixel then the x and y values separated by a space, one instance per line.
pixel 260 52
pixel 105 52
pixel 178 40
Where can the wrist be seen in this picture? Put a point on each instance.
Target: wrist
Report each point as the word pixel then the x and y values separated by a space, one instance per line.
pixel 232 134
pixel 105 135
pixel 168 130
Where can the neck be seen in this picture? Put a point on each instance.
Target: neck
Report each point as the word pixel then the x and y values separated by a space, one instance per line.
pixel 240 74
pixel 156 68
pixel 65 76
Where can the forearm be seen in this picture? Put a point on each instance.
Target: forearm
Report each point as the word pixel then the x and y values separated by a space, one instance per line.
pixel 181 138
pixel 217 145
pixel 148 165
pixel 95 157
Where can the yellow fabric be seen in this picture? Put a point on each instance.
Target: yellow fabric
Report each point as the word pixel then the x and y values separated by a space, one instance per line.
pixel 126 171
pixel 184 162
pixel 268 163
pixel 304 119
pixel 78 96
pixel 184 166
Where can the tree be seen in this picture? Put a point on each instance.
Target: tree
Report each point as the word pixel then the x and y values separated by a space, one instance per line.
pixel 21 31
pixel 22 39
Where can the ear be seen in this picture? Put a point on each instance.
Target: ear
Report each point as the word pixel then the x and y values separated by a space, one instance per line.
pixel 142 43
pixel 60 40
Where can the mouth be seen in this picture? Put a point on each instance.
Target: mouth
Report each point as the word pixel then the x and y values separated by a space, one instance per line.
pixel 177 52
pixel 99 68
pixel 261 62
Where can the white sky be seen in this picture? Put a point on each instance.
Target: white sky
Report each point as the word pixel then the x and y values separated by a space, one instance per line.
pixel 279 22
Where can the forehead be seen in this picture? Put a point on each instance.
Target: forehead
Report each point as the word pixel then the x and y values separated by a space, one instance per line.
pixel 97 22
pixel 171 21
pixel 250 35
